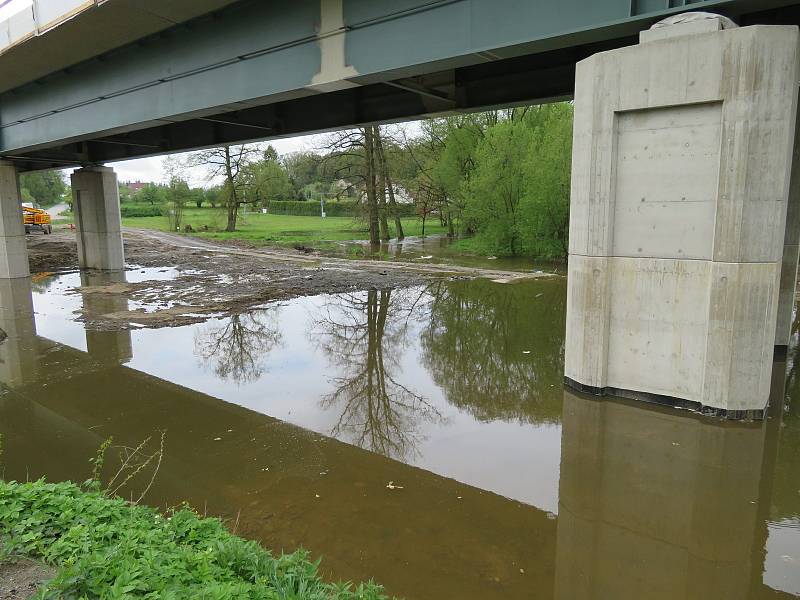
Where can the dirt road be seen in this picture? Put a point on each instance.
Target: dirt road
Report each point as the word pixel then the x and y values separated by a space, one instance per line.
pixel 174 279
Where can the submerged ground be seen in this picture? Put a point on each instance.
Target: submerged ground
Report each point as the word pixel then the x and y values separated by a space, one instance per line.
pixel 405 421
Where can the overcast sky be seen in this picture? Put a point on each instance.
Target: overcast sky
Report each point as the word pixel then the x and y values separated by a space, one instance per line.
pixel 149 169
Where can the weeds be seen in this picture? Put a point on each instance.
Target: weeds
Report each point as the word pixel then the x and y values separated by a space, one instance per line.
pixel 108 548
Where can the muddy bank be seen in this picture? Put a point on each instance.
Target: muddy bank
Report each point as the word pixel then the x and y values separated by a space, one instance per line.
pixel 20 579
pixel 176 280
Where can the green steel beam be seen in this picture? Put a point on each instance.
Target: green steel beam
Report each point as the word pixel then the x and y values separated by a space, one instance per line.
pixel 257 69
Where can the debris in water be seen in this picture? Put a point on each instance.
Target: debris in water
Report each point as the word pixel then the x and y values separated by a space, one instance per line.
pixel 526 351
pixel 491 258
pixel 217 439
pixel 522 571
pixel 392 486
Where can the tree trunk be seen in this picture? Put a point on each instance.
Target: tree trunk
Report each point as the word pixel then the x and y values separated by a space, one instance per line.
pixel 387 184
pixel 233 201
pixel 372 200
pixel 380 168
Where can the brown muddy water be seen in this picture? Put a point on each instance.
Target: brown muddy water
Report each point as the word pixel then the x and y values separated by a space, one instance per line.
pixel 419 436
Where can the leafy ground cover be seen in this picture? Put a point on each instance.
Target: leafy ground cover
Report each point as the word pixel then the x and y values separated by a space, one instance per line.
pixel 108 548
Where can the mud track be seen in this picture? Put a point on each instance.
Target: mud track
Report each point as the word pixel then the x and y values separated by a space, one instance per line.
pixel 195 279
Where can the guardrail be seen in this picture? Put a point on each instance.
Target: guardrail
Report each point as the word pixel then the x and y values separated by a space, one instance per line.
pixel 23 19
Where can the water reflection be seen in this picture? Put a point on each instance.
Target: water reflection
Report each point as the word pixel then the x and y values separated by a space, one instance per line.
pixel 18 349
pixel 497 350
pixel 235 349
pixel 364 336
pixel 512 487
pixel 98 298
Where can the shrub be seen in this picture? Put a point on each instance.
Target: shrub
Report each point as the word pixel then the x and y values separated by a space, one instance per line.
pixel 140 210
pixel 109 548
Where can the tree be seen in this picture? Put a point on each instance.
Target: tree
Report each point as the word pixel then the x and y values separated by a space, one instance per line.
pixel 235 349
pixel 361 334
pixel 227 163
pixel 45 188
pixel 152 194
pixel 267 179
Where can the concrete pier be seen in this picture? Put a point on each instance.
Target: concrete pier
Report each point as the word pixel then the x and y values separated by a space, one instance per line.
pixel 13 252
pixel 682 156
pixel 97 218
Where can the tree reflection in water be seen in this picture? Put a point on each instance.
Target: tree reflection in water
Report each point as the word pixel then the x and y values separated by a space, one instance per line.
pixel 364 335
pixel 236 347
pixel 497 350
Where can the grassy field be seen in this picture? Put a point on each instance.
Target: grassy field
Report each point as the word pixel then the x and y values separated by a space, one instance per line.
pixel 277 229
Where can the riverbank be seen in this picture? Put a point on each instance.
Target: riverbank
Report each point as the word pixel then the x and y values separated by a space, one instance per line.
pixel 179 280
pixel 105 547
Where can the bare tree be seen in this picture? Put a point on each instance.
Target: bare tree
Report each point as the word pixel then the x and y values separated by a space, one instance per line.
pixel 227 163
pixel 235 349
pixel 387 185
pixel 364 334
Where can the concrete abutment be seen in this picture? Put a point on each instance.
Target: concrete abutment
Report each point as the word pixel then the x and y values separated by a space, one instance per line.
pixel 681 277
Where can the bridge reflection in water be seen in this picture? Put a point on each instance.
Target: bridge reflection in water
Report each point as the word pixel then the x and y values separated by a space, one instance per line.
pixel 651 503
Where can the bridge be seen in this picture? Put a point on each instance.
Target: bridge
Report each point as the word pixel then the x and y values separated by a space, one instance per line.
pixel 85 83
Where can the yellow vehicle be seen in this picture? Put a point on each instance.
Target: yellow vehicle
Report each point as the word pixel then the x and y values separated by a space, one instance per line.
pixel 36 219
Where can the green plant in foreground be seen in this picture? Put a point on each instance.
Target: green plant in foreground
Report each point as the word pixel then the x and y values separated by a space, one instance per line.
pixel 108 548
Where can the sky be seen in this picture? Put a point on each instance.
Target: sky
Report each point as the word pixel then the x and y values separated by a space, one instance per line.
pixel 149 169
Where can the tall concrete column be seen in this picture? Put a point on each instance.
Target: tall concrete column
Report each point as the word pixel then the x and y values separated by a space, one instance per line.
pixel 13 252
pixel 97 218
pixel 681 165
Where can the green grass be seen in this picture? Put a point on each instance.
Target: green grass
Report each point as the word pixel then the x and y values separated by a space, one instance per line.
pixel 107 548
pixel 277 229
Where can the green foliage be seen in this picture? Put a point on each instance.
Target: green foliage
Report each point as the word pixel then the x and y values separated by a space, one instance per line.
pixel 108 548
pixel 152 194
pixel 45 188
pixel 517 196
pixel 140 210
pixel 100 459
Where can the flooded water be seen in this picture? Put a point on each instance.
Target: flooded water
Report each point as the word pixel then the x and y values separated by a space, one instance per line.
pixel 418 436
pixel 438 249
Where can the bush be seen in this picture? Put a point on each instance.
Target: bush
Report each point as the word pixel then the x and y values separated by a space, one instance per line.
pixel 140 210
pixel 108 548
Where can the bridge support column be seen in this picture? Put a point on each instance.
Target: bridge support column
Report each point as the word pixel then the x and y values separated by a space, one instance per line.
pixel 681 165
pixel 97 218
pixel 13 252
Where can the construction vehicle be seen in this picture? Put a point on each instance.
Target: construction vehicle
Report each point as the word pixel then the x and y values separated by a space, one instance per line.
pixel 36 219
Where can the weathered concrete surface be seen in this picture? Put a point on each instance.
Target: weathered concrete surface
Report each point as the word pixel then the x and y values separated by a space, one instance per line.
pixel 97 218
pixel 680 184
pixel 13 254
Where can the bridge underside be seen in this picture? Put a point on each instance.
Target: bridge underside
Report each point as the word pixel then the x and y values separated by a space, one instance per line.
pixel 253 71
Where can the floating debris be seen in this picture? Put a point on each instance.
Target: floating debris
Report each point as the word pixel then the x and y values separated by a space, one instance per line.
pixel 392 486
